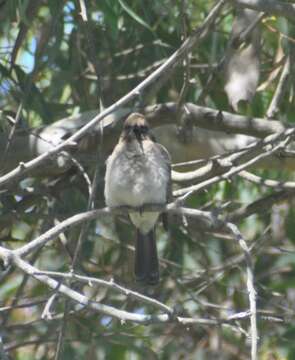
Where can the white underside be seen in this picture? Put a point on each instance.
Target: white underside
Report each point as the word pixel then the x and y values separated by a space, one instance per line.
pixel 144 221
pixel 135 178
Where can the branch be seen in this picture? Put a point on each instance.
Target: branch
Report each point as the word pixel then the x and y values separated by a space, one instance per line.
pixel 280 90
pixel 206 218
pixel 278 185
pixel 269 6
pixel 250 286
pixel 11 257
pixel 111 285
pixel 211 119
pixel 212 168
pixel 122 315
pixel 259 206
pixel 26 146
pixel 175 58
pixel 283 139
pixel 216 165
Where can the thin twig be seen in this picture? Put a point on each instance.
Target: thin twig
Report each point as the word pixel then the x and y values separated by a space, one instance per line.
pixel 62 332
pixel 250 286
pixel 278 185
pixel 46 314
pixel 111 285
pixel 186 67
pixel 280 90
pixel 261 205
pixel 283 139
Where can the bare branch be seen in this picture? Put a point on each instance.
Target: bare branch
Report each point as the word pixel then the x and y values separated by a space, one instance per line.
pixel 269 6
pixel 278 185
pixel 283 138
pixel 205 217
pixel 216 120
pixel 280 90
pixel 111 285
pixel 250 286
pixel 259 206
pixel 99 307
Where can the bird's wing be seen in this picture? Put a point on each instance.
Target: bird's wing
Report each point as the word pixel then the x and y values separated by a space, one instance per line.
pixel 167 159
pixel 169 198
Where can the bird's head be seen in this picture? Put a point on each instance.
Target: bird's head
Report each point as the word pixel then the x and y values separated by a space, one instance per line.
pixel 136 127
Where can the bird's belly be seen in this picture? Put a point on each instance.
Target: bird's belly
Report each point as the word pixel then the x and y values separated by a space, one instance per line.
pixel 137 185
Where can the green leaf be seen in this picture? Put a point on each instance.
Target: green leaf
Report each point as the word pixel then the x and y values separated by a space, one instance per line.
pixel 136 17
pixel 35 100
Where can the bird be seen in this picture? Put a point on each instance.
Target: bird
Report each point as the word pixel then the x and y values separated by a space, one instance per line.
pixel 138 172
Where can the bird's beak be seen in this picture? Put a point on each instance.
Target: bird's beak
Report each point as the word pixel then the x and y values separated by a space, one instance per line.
pixel 139 139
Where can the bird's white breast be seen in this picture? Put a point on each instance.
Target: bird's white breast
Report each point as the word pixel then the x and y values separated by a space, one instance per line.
pixel 136 176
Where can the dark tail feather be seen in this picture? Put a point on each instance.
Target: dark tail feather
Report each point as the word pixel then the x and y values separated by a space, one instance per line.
pixel 146 258
pixel 139 265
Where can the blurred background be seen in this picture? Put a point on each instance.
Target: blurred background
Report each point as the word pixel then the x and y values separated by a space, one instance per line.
pixel 55 66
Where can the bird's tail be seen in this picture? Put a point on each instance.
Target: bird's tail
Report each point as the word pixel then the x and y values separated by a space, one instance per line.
pixel 146 258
